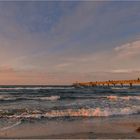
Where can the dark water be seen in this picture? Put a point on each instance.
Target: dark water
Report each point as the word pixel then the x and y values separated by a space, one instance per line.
pixel 23 103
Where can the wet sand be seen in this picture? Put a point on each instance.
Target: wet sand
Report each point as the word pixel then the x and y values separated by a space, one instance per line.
pixel 109 128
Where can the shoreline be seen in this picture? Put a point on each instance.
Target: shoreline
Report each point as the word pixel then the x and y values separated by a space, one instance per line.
pixel 95 128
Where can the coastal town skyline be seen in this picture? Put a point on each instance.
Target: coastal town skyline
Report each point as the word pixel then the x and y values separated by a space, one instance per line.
pixel 43 42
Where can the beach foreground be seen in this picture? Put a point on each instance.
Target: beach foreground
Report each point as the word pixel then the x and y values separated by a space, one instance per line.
pixel 119 127
pixel 69 112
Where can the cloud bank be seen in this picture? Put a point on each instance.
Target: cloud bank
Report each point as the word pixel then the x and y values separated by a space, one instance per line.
pixel 64 42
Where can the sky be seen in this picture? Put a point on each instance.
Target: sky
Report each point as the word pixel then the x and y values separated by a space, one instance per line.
pixel 59 42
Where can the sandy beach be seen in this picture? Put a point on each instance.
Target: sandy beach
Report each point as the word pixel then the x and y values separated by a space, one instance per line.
pixel 109 128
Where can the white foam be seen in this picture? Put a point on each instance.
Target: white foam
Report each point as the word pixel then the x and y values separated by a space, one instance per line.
pixel 2 97
pixel 7 97
pixel 119 87
pixel 33 88
pixel 27 116
pixel 50 98
pixel 112 97
pixel 11 126
pixel 93 112
pixel 115 98
pixel 134 97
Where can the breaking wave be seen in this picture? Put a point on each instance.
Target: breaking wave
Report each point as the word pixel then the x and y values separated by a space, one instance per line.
pixel 57 97
pixel 119 88
pixel 2 97
pixel 35 88
pixel 6 98
pixel 93 112
pixel 12 98
pixel 115 98
pixel 83 112
pixel 50 98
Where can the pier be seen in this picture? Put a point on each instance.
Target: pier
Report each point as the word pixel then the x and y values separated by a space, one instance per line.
pixel 108 83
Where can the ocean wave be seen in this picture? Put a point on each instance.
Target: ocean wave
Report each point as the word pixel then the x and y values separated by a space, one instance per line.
pixel 2 97
pixel 117 88
pixel 83 112
pixel 50 98
pixel 15 98
pixel 93 112
pixel 34 88
pixel 6 97
pixel 63 97
pixel 115 98
pixel 10 98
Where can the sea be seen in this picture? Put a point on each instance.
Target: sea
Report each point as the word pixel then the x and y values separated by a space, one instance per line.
pixel 26 104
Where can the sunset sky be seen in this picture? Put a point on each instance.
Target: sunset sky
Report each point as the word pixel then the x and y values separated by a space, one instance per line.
pixel 63 42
